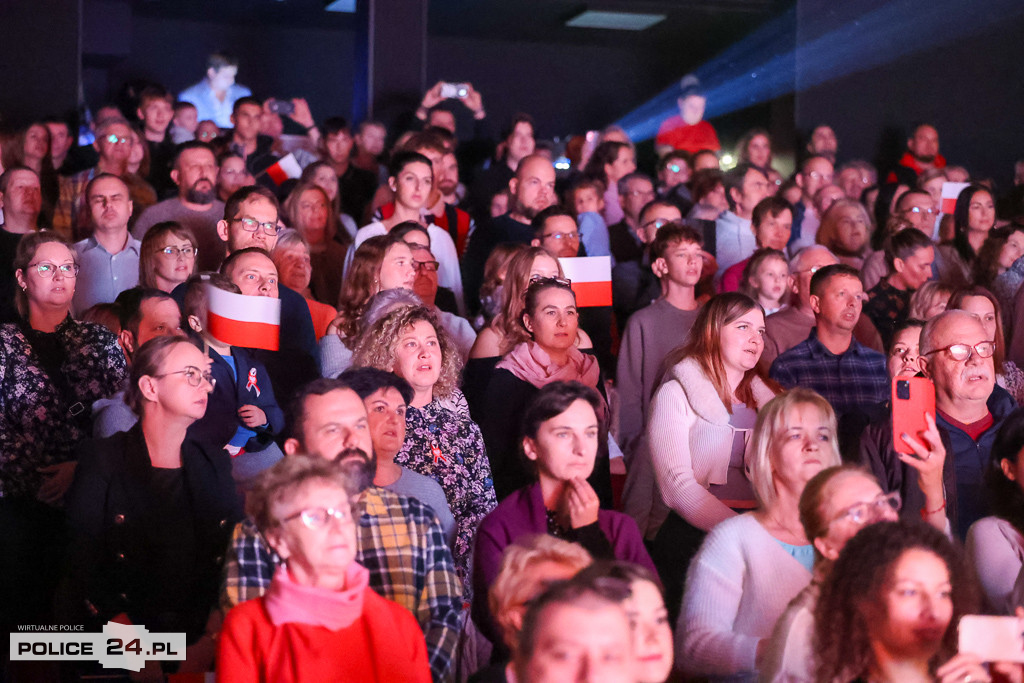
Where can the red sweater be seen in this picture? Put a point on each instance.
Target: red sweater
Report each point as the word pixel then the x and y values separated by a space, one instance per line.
pixel 384 644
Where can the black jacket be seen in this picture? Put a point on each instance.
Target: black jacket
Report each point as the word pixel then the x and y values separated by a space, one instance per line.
pixel 121 543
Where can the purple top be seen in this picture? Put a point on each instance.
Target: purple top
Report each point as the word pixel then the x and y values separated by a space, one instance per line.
pixel 522 513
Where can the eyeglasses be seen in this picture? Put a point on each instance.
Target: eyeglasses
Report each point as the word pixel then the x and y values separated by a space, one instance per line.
pixel 117 139
pixel 863 513
pixel 675 168
pixel 428 266
pixel 253 225
pixel 963 352
pixel 573 236
pixel 317 518
pixel 193 375
pixel 187 252
pixel 812 270
pixel 538 280
pixel 47 269
pixel 918 209
pixel 640 193
pixel 657 223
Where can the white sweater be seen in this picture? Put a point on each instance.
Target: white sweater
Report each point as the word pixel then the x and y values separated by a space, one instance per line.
pixel 690 441
pixel 738 585
pixel 997 550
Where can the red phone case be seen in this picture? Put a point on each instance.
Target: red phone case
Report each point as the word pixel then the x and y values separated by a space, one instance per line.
pixel 908 414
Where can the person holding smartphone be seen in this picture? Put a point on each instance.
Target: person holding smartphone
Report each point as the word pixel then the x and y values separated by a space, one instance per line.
pixel 956 354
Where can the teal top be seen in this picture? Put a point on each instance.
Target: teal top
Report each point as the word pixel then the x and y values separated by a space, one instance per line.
pixel 804 554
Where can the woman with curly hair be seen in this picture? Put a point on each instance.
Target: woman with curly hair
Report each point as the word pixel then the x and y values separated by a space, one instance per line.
pixel 441 441
pixel 888 611
pixel 383 262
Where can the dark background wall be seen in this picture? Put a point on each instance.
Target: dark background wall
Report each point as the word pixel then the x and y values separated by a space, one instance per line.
pixel 970 89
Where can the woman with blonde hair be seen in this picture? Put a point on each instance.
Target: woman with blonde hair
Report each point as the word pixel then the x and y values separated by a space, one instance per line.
pixel 930 299
pixel 308 210
pixel 750 566
pixel 441 441
pixel 846 230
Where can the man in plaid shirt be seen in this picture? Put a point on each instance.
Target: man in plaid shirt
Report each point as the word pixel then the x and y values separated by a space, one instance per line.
pixel 400 540
pixel 830 361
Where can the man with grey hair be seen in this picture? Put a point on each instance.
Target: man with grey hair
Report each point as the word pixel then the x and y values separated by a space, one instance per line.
pixel 957 355
pixel 790 326
pixel 856 176
pixel 635 191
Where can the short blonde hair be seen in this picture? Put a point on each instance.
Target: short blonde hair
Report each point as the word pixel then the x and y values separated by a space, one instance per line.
pixel 771 419
pixel 515 579
pixel 376 347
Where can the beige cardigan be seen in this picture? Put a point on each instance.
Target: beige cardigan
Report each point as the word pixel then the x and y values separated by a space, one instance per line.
pixel 690 441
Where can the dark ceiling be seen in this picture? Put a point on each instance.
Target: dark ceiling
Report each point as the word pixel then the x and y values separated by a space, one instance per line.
pixel 692 26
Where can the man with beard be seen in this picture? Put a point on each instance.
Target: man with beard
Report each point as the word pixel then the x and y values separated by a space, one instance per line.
pixel 922 154
pixel 109 258
pixel 196 206
pixel 532 190
pixel 400 540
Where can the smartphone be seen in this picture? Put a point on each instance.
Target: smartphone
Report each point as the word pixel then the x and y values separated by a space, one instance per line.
pixel 454 90
pixel 992 639
pixel 284 107
pixel 912 397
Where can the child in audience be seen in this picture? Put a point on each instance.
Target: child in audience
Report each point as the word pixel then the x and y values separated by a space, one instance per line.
pixel 184 122
pixel 766 279
pixel 587 196
pixel 242 393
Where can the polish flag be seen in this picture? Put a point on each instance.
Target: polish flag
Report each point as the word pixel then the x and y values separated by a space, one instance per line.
pixel 950 191
pixel 285 168
pixel 239 320
pixel 591 278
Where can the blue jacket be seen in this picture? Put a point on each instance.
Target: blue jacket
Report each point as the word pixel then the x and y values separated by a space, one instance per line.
pixel 231 393
pixel 966 461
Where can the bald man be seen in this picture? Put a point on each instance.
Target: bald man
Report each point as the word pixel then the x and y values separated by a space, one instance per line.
pixel 532 190
pixel 957 355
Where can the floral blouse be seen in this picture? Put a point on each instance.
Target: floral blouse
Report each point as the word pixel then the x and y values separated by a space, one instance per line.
pixel 442 442
pixel 39 424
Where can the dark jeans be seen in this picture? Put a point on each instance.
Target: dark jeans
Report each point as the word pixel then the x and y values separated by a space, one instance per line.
pixel 672 550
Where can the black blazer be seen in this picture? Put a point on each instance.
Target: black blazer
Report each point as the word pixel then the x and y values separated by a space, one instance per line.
pixel 114 513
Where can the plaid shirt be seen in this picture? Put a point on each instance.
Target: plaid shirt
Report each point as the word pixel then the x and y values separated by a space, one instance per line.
pixel 401 544
pixel 853 379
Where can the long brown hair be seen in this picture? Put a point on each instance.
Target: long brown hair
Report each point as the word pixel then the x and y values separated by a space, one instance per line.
pixel 291 212
pixel 362 280
pixel 148 252
pixel 705 347
pixel 507 323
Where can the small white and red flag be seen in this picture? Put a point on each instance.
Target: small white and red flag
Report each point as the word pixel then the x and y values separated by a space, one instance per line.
pixel 591 278
pixel 239 320
pixel 285 168
pixel 950 191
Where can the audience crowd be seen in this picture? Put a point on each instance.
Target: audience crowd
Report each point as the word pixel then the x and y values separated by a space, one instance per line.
pixel 452 466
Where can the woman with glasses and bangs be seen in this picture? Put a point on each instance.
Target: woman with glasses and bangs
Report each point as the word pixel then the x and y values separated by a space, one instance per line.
pixel 151 510
pixel 167 256
pixel 52 369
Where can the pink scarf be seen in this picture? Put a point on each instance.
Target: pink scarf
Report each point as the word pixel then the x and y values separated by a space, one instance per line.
pixel 288 602
pixel 530 363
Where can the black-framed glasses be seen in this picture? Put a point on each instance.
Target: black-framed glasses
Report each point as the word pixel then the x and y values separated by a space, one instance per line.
pixel 540 280
pixel 252 225
pixel 317 518
pixel 963 352
pixel 187 252
pixel 193 375
pixel 427 266
pixel 863 513
pixel 48 270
